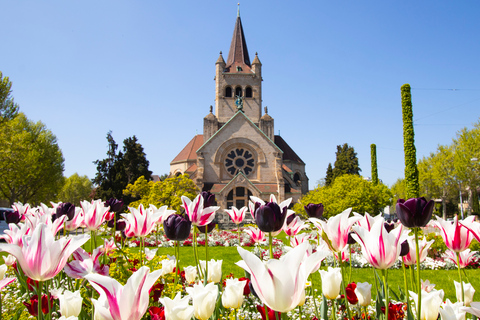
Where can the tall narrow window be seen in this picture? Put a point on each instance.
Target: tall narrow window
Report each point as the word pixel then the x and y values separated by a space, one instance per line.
pixel 238 92
pixel 238 197
pixel 228 92
pixel 248 92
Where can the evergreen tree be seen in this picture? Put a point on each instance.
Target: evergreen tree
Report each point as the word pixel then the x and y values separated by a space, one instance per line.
pixel 346 161
pixel 373 149
pixel 411 170
pixel 329 177
pixel 8 108
pixel 119 169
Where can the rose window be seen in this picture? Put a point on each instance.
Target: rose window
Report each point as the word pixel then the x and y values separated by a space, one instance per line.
pixel 239 160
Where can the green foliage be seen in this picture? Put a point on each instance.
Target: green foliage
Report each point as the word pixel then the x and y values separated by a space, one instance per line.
pixel 411 171
pixel 31 162
pixel 329 176
pixel 346 161
pixel 75 189
pixel 161 193
pixel 119 169
pixel 8 108
pixel 348 191
pixel 373 149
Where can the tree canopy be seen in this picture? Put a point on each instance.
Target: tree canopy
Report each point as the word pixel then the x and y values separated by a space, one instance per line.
pixel 31 162
pixel 167 192
pixel 119 169
pixel 348 191
pixel 346 163
pixel 8 108
pixel 75 189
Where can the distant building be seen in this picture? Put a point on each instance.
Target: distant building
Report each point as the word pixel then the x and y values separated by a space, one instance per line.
pixel 238 154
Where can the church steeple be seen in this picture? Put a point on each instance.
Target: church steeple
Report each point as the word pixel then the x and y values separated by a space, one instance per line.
pixel 238 54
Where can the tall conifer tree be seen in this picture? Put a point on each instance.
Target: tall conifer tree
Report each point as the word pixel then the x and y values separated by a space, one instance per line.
pixel 411 170
pixel 373 149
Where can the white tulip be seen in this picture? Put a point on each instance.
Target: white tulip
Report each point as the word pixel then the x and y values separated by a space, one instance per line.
pixel 190 274
pixel 3 270
pixel 364 293
pixel 233 294
pixel 9 260
pixel 214 270
pixel 451 311
pixel 431 302
pixel 468 291
pixel 204 299
pixel 331 281
pixel 178 308
pixel 168 266
pixel 70 303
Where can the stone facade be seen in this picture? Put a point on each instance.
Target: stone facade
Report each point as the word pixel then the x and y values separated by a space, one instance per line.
pixel 238 154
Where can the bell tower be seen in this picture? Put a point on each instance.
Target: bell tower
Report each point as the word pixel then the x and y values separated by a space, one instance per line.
pixel 238 79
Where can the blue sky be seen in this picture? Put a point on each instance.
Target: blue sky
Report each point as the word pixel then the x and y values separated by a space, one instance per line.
pixel 332 73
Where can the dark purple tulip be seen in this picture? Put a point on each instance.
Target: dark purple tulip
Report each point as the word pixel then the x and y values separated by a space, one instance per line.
pixel 314 210
pixel 208 199
pixel 269 217
pixel 12 217
pixel 116 205
pixel 65 209
pixel 351 240
pixel 405 248
pixel 120 223
pixel 177 227
pixel 415 212
pixel 290 218
pixel 210 227
pixel 389 226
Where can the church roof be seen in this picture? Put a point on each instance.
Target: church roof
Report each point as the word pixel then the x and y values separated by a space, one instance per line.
pixel 288 153
pixel 189 152
pixel 238 54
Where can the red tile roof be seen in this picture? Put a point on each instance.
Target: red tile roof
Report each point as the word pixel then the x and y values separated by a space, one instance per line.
pixel 189 152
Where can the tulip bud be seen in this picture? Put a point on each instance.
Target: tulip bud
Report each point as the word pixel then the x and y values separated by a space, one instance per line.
pixel 314 210
pixel 233 294
pixel 208 199
pixel 67 209
pixel 177 227
pixel 204 299
pixel 116 205
pixel 70 303
pixel 415 212
pixel 270 217
pixel 364 293
pixel 468 290
pixel 331 281
pixel 190 274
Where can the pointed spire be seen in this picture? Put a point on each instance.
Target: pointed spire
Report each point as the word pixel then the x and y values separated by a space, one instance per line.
pixel 238 54
pixel 238 11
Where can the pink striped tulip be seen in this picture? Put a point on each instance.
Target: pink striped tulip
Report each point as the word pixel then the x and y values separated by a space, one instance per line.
pixel 335 230
pixel 256 234
pixel 198 215
pixel 41 257
pixel 94 213
pixel 411 257
pixel 466 257
pixel 78 220
pixel 85 263
pixel 129 302
pixel 141 221
pixel 379 247
pixel 237 215
pixel 280 284
pixel 294 227
pixel 456 235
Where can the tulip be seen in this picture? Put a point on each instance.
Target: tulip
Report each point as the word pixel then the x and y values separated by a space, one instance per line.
pixel 331 281
pixel 15 233
pixel 237 215
pixel 208 198
pixel 85 263
pixel 272 315
pixel 468 290
pixel 451 311
pixel 116 205
pixel 207 228
pixel 431 302
pixel 94 213
pixel 150 254
pixel 6 281
pixel 65 209
pixel 364 293
pixel 18 214
pixel 41 257
pixel 351 295
pixel 233 294
pixel 70 303
pixel 156 313
pixel 465 257
pixel 168 265
pixel 12 217
pixel 119 302
pixel 455 234
pixel 411 257
pixel 9 260
pixel 279 283
pixel 381 249
pixel 178 308
pixel 214 270
pixel 314 210
pixel 427 286
pixel 204 299
pixel 366 221
pixel 415 212
pixel 196 212
pixel 299 238
pixel 294 227
pixel 270 218
pixel 141 221
pixel 33 219
pixel 256 234
pixel 78 220
pixel 473 309
pixel 190 274
pixel 335 230
pixel 176 227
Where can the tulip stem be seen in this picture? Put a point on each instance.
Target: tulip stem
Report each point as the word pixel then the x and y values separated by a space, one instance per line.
pixel 412 278
pixel 270 242
pixel 460 277
pixel 39 297
pixel 195 253
pixel 344 287
pixel 385 287
pixel 177 256
pixel 419 284
pixel 405 282
pixel 206 254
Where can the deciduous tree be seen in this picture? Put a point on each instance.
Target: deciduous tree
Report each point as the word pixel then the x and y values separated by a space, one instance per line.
pixel 8 108
pixel 75 189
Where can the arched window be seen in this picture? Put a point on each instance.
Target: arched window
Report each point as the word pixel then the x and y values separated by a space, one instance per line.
pixel 178 174
pixel 238 92
pixel 248 92
pixel 228 92
pixel 238 197
pixel 297 178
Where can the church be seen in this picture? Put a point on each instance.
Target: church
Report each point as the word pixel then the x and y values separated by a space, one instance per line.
pixel 238 154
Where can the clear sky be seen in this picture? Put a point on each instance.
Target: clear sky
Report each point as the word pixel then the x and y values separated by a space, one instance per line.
pixel 332 73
